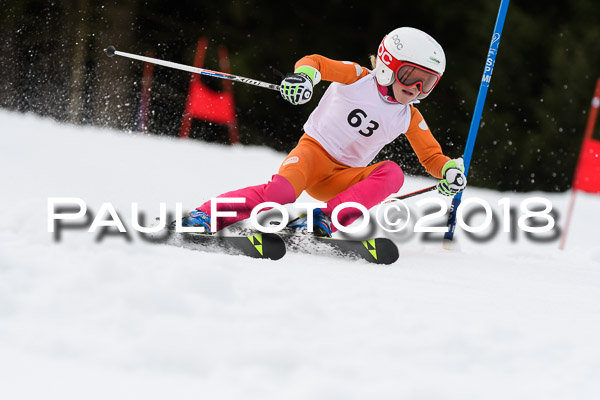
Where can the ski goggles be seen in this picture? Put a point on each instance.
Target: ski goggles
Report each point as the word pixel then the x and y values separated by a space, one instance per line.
pixel 409 75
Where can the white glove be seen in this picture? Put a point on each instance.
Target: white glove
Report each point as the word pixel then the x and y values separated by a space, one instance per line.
pixel 454 180
pixel 297 88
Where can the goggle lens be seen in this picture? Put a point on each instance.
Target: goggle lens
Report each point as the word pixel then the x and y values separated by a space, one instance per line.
pixel 409 75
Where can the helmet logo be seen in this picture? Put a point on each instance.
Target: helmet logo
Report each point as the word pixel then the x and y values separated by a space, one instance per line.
pixel 384 55
pixel 397 42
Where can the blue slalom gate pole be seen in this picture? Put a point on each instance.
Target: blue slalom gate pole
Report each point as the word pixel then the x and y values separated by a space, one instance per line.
pixel 483 89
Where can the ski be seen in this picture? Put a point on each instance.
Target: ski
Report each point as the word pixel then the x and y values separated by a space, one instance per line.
pixel 376 250
pixel 255 245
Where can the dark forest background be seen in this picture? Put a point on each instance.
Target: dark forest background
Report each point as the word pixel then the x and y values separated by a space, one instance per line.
pixel 52 63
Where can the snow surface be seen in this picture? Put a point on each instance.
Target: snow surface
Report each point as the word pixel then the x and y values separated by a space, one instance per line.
pixel 82 319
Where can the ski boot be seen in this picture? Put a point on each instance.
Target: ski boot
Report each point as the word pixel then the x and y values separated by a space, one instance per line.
pixel 321 223
pixel 196 218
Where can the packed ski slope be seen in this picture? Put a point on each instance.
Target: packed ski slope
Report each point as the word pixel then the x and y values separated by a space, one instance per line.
pixel 96 318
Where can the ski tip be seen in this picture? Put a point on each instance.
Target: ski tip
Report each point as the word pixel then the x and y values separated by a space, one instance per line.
pixel 274 246
pixel 387 251
pixel 110 51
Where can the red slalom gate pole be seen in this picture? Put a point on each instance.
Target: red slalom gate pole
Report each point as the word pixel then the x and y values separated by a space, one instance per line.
pixel 589 130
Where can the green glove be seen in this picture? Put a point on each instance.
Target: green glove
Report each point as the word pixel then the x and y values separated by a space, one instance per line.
pixel 454 180
pixel 312 73
pixel 297 88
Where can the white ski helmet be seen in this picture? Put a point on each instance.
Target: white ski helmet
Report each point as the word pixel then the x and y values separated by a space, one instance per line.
pixel 413 46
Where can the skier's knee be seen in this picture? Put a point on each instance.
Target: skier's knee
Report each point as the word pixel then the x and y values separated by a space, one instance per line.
pixel 280 191
pixel 392 176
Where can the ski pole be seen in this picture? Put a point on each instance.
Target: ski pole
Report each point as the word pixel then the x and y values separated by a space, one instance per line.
pixel 111 51
pixel 483 89
pixel 406 196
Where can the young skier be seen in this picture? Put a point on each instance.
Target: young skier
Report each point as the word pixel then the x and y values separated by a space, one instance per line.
pixel 360 112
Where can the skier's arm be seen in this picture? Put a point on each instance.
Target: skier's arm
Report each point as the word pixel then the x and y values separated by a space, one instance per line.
pixel 297 88
pixel 427 149
pixel 331 70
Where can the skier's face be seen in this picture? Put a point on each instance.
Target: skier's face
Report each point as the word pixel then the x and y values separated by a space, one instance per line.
pixel 403 94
